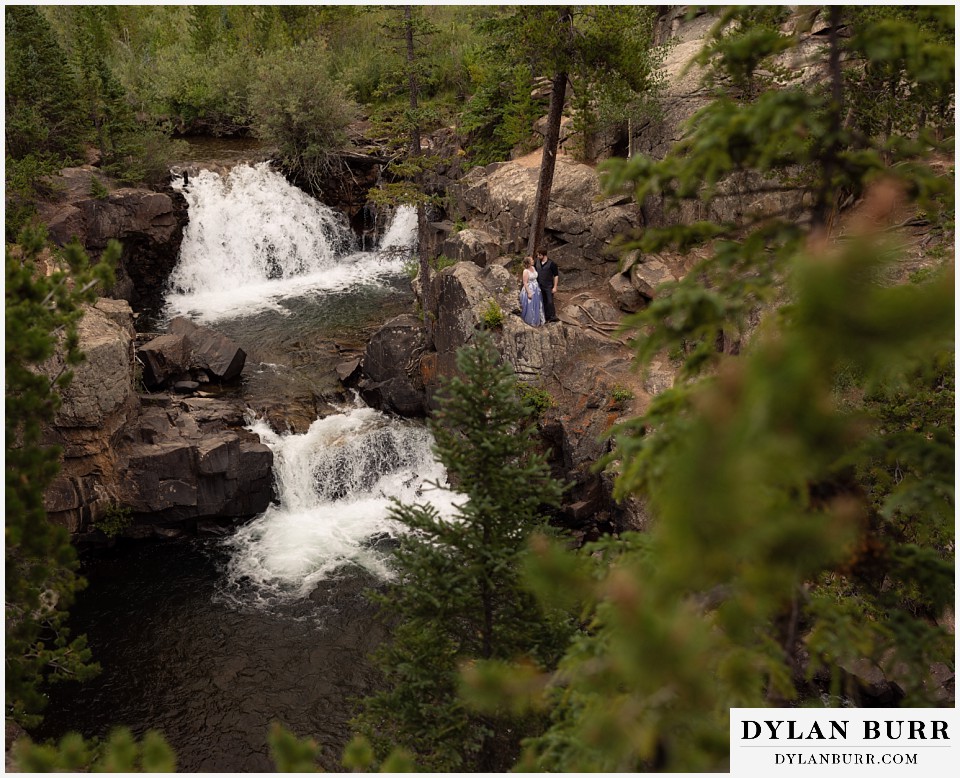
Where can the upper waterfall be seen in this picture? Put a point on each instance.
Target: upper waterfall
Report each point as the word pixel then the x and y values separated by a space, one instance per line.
pixel 254 239
pixel 251 226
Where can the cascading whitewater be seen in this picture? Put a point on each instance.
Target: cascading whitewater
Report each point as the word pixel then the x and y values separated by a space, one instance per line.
pixel 334 483
pixel 256 243
pixel 254 240
pixel 402 233
pixel 270 624
pixel 252 226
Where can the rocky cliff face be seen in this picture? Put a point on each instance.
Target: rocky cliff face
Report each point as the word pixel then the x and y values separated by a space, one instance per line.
pixel 580 363
pixel 151 459
pixel 97 412
pixel 581 222
pixel 92 209
pixel 685 94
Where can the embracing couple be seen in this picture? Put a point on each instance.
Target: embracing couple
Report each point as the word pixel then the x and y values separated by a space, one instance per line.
pixel 537 288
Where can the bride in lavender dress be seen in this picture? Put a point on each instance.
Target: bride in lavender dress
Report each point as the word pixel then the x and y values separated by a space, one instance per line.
pixel 531 301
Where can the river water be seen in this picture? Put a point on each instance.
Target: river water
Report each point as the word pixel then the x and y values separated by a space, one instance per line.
pixel 211 640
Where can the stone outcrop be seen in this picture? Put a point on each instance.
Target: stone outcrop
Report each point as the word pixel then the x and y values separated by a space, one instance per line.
pixel 346 183
pixel 624 293
pixel 189 355
pixel 472 245
pixel 581 222
pixel 219 356
pixel 388 381
pixel 685 94
pixel 97 412
pixel 193 462
pixel 160 458
pixel 640 276
pixel 91 208
pixel 577 361
pixel 164 359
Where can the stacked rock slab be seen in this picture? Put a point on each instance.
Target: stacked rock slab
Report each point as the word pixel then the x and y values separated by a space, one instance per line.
pixel 148 224
pixel 193 462
pixel 161 459
pixel 98 410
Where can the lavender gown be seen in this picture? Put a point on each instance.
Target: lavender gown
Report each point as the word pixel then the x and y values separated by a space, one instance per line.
pixel 532 310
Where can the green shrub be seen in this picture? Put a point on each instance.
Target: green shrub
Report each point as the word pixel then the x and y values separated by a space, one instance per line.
pixel 922 275
pixel 120 752
pixel 44 116
pixel 441 262
pixel 98 190
pixel 26 183
pixel 115 519
pixel 500 113
pixel 492 317
pixel 143 156
pixel 300 109
pixel 42 315
pixel 621 394
pixel 535 398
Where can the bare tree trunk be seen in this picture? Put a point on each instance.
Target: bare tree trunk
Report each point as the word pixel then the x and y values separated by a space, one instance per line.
pixel 426 285
pixel 551 140
pixel 548 161
pixel 826 196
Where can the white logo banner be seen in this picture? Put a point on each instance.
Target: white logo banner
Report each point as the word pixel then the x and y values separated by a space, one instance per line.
pixel 862 741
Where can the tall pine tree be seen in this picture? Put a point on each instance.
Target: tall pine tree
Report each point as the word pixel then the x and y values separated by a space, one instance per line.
pixel 43 115
pixel 598 50
pixel 457 597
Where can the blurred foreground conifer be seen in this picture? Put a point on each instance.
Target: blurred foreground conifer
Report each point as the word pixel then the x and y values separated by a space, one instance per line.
pixel 801 478
pixel 42 312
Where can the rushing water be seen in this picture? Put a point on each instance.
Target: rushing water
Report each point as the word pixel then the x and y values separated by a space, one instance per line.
pixel 335 484
pixel 256 243
pixel 210 640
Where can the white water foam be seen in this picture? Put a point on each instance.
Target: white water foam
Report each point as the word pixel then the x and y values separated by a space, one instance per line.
pixel 255 240
pixel 402 232
pixel 335 483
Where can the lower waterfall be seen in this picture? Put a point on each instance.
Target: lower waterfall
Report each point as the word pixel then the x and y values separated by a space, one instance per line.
pixel 335 484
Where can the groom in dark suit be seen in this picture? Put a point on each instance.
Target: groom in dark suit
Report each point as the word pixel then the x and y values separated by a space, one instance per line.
pixel 547 277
